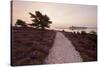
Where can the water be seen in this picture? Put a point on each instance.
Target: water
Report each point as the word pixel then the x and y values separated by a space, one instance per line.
pixel 79 30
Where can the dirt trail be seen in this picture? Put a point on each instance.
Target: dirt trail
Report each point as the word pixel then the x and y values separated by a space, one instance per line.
pixel 62 51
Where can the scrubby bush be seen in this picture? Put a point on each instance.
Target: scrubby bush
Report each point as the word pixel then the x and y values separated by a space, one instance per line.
pixel 83 32
pixel 93 32
pixel 20 23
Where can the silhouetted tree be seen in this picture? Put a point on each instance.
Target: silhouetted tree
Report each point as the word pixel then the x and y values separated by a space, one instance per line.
pixel 40 21
pixel 21 23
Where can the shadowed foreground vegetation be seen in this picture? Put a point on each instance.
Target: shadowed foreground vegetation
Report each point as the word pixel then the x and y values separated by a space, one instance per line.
pixel 85 44
pixel 30 46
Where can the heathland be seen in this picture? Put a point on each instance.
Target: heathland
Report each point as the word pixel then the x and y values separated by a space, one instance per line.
pixel 31 46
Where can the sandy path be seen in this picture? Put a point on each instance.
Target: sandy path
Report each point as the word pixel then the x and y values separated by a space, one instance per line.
pixel 62 51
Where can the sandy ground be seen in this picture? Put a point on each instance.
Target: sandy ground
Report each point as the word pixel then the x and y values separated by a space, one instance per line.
pixel 62 51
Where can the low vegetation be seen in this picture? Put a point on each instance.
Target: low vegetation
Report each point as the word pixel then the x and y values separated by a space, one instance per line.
pixel 85 44
pixel 30 46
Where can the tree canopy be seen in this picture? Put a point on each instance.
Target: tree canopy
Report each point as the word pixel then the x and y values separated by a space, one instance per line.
pixel 40 21
pixel 21 23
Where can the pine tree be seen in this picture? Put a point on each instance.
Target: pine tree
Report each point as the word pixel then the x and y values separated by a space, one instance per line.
pixel 40 21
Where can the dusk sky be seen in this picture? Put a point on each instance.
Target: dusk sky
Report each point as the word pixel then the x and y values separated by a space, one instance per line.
pixel 62 15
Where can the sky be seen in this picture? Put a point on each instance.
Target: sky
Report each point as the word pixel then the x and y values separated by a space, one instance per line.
pixel 62 15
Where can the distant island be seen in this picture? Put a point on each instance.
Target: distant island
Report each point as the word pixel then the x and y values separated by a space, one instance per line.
pixel 75 27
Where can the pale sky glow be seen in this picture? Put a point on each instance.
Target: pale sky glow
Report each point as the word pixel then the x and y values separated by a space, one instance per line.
pixel 62 15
